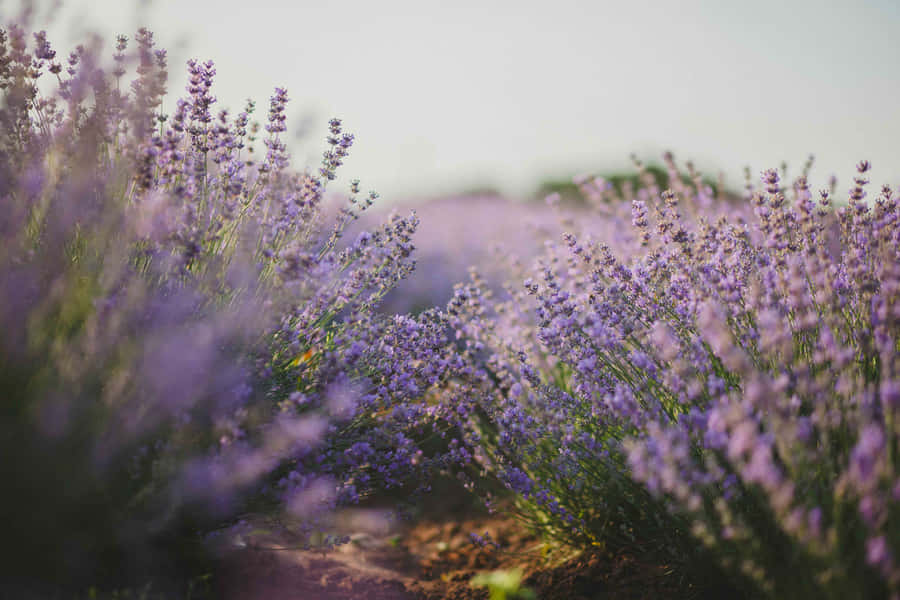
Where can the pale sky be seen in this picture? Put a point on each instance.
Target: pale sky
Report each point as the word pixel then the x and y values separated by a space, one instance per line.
pixel 444 96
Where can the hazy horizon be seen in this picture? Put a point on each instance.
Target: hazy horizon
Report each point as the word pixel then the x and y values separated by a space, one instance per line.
pixel 445 97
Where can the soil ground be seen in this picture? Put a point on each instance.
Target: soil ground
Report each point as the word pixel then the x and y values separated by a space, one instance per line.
pixel 434 558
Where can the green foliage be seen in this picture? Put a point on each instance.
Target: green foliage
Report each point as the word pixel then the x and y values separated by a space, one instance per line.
pixel 504 585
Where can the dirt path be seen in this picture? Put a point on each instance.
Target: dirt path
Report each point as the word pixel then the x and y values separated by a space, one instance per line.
pixel 427 560
pixel 432 560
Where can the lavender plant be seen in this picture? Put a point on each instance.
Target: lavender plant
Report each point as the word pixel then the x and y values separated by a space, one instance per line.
pixel 563 389
pixel 789 452
pixel 736 368
pixel 186 337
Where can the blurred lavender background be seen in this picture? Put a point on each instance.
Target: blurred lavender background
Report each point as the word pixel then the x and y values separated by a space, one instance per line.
pixel 478 106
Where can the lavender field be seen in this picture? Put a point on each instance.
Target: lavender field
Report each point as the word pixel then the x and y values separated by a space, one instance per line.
pixel 224 374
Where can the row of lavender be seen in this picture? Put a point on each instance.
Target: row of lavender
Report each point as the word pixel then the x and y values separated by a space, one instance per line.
pixel 189 339
pixel 727 374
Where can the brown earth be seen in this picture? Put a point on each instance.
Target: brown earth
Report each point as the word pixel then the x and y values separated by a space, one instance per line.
pixel 434 559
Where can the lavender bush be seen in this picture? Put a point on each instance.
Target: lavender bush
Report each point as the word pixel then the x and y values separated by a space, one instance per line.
pixel 186 337
pixel 738 369
pixel 784 460
pixel 564 381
